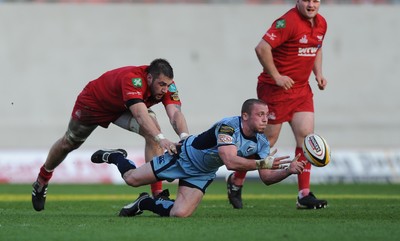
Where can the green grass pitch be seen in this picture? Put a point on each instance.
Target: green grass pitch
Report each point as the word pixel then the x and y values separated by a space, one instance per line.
pixel 89 212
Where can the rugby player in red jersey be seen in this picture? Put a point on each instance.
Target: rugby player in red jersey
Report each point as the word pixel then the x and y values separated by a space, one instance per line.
pixel 122 96
pixel 289 51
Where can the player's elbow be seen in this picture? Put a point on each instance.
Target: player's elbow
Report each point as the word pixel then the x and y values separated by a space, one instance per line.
pixel 268 182
pixel 233 167
pixel 268 177
pixel 259 49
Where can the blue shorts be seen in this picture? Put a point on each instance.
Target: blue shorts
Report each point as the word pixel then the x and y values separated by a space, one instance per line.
pixel 170 167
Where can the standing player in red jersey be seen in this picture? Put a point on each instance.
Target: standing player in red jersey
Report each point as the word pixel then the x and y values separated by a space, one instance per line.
pixel 289 51
pixel 121 96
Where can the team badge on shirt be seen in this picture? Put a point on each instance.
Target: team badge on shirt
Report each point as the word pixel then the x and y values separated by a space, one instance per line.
pixel 175 96
pixel 225 133
pixel 280 23
pixel 225 139
pixel 137 82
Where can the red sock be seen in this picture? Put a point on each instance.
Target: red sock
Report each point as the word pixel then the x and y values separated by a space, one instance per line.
pixel 303 178
pixel 240 174
pixel 44 176
pixel 239 177
pixel 156 188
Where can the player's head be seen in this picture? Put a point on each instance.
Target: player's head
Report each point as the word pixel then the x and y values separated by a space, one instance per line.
pixel 159 76
pixel 254 116
pixel 308 8
pixel 160 66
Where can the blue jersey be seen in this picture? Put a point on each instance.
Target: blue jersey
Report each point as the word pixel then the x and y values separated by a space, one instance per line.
pixel 202 150
pixel 198 161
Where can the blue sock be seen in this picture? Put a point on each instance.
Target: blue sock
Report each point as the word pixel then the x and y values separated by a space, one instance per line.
pixel 158 206
pixel 121 162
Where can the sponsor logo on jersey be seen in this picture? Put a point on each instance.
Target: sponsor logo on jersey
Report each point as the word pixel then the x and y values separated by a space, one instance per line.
pixel 137 82
pixel 172 88
pixel 303 40
pixel 225 139
pixel 250 149
pixel 78 113
pixel 160 159
pixel 308 52
pixel 271 116
pixel 280 23
pixel 271 36
pixel 134 93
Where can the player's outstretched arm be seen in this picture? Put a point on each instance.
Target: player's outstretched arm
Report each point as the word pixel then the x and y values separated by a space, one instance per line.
pixel 270 176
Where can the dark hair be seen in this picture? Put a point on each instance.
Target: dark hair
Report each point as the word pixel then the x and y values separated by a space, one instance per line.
pixel 160 66
pixel 248 104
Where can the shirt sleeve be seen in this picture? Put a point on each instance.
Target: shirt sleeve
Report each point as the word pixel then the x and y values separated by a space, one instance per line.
pixel 133 87
pixel 172 96
pixel 225 135
pixel 278 33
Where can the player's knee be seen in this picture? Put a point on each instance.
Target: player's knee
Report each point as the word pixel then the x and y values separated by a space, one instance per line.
pixel 72 142
pixel 180 212
pixel 131 180
pixel 68 145
pixel 267 181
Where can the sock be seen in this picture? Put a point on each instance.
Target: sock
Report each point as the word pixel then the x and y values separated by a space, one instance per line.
pixel 303 178
pixel 121 162
pixel 239 177
pixel 156 188
pixel 160 206
pixel 304 192
pixel 44 175
pixel 240 174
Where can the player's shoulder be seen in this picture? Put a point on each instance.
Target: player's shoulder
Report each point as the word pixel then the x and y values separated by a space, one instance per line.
pixel 290 18
pixel 232 121
pixel 136 74
pixel 321 21
pixel 292 15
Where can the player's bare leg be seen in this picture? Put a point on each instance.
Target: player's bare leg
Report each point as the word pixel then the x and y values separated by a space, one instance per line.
pixel 303 124
pixel 151 149
pixel 187 200
pixel 73 139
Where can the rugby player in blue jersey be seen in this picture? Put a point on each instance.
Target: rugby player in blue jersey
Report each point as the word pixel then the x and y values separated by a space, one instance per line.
pixel 237 142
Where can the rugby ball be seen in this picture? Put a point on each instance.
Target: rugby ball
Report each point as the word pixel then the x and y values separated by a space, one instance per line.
pixel 316 150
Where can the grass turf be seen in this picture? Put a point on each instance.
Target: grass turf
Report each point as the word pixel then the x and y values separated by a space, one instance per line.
pixel 89 212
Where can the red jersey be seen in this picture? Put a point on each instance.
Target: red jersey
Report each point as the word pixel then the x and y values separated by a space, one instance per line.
pixel 294 45
pixel 104 99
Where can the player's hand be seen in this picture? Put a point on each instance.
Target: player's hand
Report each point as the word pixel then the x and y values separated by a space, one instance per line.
pixel 285 82
pixel 271 162
pixel 168 146
pixel 322 82
pixel 296 167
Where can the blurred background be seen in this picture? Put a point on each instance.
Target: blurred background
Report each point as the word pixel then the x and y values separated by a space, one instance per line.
pixel 49 50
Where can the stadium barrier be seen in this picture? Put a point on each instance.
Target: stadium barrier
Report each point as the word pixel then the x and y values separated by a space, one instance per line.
pixel 347 166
